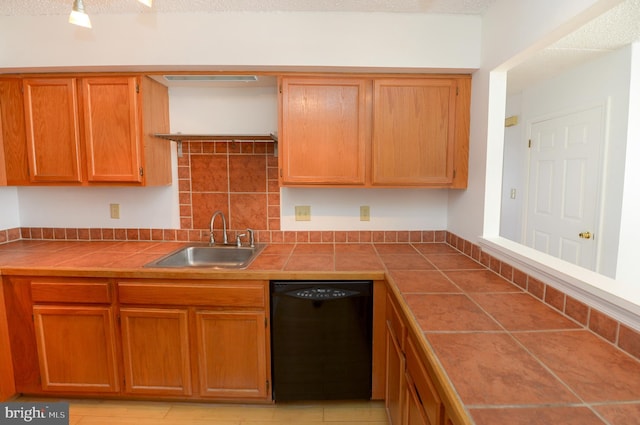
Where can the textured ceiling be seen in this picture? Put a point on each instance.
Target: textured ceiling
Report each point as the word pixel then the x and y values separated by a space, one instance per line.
pixel 56 7
pixel 610 31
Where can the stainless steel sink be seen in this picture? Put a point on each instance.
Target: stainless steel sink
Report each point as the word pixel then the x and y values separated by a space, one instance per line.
pixel 215 257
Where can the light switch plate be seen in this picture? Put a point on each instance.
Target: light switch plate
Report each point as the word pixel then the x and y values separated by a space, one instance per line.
pixel 365 213
pixel 114 210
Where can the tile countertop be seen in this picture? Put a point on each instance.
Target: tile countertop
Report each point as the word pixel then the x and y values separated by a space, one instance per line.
pixel 511 359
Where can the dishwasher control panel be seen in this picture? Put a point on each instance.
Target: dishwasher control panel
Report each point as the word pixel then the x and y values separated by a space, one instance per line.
pixel 321 293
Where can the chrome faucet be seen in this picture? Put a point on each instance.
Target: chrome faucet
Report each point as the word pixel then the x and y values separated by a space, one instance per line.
pixel 212 240
pixel 252 243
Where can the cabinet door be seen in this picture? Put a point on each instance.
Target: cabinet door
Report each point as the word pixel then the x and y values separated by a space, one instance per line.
pixel 413 131
pixel 421 384
pixel 232 355
pixel 324 134
pixel 395 379
pixel 14 164
pixel 76 348
pixel 53 141
pixel 414 411
pixel 112 129
pixel 155 344
pixel 7 380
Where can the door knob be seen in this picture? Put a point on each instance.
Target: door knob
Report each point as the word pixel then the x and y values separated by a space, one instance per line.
pixel 585 235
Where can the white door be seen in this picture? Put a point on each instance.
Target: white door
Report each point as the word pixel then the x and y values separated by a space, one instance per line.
pixel 563 191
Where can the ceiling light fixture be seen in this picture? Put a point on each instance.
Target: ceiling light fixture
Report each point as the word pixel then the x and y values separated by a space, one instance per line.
pixel 78 15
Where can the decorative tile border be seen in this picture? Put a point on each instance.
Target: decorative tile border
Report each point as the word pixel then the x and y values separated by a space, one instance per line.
pixel 189 235
pixel 618 334
pixel 10 235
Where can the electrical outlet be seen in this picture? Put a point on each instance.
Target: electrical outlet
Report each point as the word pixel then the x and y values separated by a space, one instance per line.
pixel 365 213
pixel 114 210
pixel 303 213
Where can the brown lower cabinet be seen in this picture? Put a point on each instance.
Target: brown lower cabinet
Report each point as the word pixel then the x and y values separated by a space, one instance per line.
pixel 155 351
pixel 145 337
pixel 412 398
pixel 76 348
pixel 396 365
pixel 231 348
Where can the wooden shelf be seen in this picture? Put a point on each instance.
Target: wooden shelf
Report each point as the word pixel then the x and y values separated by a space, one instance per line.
pixel 201 137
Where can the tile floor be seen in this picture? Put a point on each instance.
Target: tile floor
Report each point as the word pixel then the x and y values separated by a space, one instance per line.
pixel 119 412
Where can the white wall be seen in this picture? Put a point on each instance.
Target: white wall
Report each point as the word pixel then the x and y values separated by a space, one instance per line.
pixel 256 41
pixel 627 267
pixel 243 40
pixel 390 209
pixel 514 178
pixel 86 207
pixel 214 110
pixel 9 211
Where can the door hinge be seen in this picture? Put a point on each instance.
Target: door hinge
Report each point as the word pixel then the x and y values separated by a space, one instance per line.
pixel 280 88
pixel 137 88
pixel 454 174
pixel 141 172
pixel 529 143
pixel 281 172
pixel 457 91
pixel 265 322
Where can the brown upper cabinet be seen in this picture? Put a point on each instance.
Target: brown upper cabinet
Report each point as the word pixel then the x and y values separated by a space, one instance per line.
pixel 374 131
pixel 52 129
pixel 84 130
pixel 324 135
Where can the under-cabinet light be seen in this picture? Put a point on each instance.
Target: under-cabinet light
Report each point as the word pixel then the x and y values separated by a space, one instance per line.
pixel 147 3
pixel 245 78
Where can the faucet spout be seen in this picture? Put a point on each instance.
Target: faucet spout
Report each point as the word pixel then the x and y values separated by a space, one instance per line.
pixel 212 240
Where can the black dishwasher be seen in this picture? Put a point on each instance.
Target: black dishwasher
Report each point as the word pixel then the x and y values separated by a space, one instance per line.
pixel 321 333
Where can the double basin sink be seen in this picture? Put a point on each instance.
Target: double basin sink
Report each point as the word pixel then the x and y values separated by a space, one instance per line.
pixel 223 256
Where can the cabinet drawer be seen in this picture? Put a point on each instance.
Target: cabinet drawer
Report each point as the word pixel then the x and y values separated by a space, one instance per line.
pixel 395 323
pixel 223 293
pixel 424 386
pixel 70 291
